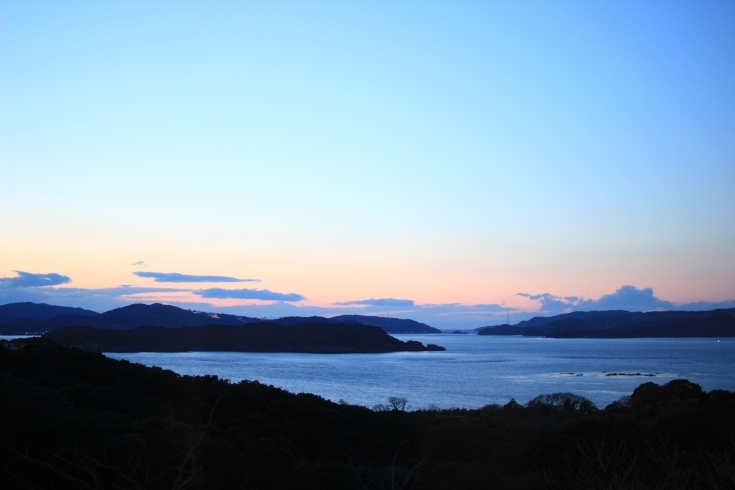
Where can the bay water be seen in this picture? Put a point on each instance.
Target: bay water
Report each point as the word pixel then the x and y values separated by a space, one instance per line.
pixel 474 371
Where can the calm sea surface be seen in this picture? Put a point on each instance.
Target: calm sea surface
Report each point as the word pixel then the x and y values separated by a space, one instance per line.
pixel 474 371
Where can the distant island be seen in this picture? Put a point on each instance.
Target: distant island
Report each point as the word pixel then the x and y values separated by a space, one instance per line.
pixel 317 338
pixel 36 318
pixel 623 324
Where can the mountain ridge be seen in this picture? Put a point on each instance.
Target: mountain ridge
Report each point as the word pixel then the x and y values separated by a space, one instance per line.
pixel 169 316
pixel 38 311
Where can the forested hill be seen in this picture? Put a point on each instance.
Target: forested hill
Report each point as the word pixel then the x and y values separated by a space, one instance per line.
pixel 718 324
pixel 621 319
pixel 623 324
pixel 30 318
pixel 322 338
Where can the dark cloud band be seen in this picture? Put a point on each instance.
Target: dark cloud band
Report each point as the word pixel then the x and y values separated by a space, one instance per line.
pixel 177 277
pixel 260 294
pixel 379 302
pixel 31 280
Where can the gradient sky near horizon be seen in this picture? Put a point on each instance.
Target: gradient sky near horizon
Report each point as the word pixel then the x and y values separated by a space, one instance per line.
pixel 445 154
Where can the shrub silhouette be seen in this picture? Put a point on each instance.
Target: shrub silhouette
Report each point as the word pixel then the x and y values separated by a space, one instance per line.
pixel 567 401
pixel 674 392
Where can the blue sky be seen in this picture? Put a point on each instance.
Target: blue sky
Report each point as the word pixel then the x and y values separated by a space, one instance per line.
pixel 433 152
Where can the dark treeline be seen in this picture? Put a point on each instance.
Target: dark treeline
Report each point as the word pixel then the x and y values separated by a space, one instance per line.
pixel 72 419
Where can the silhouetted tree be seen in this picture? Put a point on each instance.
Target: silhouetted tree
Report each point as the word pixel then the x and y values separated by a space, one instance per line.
pixel 397 403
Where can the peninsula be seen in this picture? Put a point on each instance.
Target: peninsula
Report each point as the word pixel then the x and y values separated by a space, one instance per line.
pixel 317 338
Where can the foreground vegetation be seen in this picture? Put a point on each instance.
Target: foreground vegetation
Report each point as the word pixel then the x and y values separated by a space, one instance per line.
pixel 73 419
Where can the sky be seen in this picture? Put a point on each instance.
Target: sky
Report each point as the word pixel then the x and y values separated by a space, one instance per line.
pixel 459 163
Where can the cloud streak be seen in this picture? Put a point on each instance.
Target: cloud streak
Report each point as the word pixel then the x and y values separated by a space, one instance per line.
pixel 29 279
pixel 259 294
pixel 177 277
pixel 379 302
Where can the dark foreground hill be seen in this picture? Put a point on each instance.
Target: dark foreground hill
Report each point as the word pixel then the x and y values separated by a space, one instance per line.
pixel 76 420
pixel 623 324
pixel 322 338
pixel 31 318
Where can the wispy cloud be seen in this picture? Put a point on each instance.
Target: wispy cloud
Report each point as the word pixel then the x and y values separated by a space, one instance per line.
pixel 259 294
pixel 628 298
pixel 29 279
pixel 551 304
pixel 706 305
pixel 177 277
pixel 140 263
pixel 379 302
